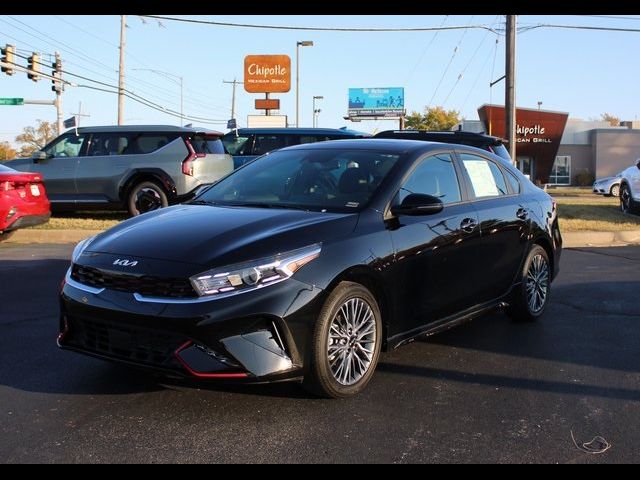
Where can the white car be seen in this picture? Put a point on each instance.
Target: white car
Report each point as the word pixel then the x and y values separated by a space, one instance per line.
pixel 630 189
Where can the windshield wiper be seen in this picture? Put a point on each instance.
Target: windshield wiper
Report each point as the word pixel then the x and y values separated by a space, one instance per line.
pixel 202 202
pixel 269 205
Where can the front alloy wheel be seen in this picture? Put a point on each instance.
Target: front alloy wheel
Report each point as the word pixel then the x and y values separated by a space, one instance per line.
pixel 615 191
pixel 346 343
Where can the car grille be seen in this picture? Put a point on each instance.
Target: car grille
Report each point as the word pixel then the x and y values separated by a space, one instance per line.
pixel 146 285
pixel 125 342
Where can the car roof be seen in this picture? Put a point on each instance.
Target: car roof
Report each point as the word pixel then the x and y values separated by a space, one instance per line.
pixel 453 136
pixel 146 128
pixel 302 131
pixel 398 146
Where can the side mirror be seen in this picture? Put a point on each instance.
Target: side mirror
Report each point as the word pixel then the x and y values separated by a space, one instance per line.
pixel 39 156
pixel 638 163
pixel 418 204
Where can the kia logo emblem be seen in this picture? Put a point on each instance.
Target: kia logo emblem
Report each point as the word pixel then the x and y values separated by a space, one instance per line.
pixel 125 263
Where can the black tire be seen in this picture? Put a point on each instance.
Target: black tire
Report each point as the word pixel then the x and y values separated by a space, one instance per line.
pixel 615 190
pixel 322 376
pixel 145 197
pixel 6 236
pixel 627 204
pixel 531 297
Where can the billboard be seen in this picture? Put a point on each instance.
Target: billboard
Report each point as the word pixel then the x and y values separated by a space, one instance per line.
pixel 267 73
pixel 376 102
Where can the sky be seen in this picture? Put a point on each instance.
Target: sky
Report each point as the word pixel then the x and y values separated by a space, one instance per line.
pixel 584 73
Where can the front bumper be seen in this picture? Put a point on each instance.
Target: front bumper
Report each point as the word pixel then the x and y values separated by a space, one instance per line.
pixel 258 336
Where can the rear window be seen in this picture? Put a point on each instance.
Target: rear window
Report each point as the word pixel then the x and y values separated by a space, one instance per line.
pixel 206 144
pixel 237 144
pixel 501 151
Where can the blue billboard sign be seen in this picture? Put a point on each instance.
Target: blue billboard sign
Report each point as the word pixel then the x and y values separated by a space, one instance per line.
pixel 376 102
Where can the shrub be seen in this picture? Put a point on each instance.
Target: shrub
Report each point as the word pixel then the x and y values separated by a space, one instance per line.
pixel 584 179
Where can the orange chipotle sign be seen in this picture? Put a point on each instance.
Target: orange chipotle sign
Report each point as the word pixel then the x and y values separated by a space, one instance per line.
pixel 267 73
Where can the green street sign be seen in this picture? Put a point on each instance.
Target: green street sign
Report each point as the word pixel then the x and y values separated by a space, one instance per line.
pixel 11 101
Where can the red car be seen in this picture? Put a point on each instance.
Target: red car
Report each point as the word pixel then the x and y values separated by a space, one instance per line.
pixel 23 201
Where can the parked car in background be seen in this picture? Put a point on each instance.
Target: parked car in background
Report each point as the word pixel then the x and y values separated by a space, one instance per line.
pixel 491 144
pixel 245 144
pixel 23 201
pixel 630 189
pixel 136 167
pixel 304 264
pixel 608 186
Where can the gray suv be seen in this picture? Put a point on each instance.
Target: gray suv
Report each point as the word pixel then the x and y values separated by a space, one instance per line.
pixel 140 168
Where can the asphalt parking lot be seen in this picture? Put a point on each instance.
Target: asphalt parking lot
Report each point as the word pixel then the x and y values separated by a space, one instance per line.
pixel 489 391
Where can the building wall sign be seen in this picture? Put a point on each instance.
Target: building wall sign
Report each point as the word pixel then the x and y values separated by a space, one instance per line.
pixel 267 73
pixel 538 134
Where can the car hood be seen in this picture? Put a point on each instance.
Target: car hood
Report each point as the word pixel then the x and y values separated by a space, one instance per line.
pixel 215 236
pixel 607 179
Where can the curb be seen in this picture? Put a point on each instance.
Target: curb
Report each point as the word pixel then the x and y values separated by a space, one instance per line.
pixel 599 239
pixel 50 236
pixel 570 239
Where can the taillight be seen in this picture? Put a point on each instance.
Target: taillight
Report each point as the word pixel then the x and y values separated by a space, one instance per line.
pixel 6 186
pixel 187 163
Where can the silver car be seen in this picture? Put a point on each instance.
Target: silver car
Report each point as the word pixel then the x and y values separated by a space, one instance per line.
pixel 140 168
pixel 608 186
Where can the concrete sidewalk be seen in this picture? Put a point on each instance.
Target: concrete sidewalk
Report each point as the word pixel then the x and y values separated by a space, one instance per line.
pixel 571 239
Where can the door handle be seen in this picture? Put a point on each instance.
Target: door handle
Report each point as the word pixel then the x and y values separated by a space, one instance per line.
pixel 522 213
pixel 468 225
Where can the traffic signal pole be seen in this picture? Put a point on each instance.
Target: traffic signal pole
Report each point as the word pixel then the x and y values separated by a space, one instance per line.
pixel 58 100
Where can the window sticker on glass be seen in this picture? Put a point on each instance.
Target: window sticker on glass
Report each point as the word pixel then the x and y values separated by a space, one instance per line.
pixel 484 185
pixel 352 204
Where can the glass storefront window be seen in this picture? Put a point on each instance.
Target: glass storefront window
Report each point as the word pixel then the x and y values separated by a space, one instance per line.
pixel 526 166
pixel 561 171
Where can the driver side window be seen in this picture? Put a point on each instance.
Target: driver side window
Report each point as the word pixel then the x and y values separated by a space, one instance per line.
pixel 68 146
pixel 435 176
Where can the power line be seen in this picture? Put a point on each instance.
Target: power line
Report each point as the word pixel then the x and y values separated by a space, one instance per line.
pixel 480 72
pixel 455 51
pixel 581 27
pixel 435 35
pixel 615 17
pixel 318 29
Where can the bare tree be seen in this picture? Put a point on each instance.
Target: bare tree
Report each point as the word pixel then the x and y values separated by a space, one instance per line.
pixel 33 139
pixel 610 119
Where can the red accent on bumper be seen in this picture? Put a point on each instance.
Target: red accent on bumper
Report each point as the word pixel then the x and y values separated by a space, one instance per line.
pixel 200 374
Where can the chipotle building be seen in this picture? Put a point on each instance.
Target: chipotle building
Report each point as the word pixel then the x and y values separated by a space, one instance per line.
pixel 538 135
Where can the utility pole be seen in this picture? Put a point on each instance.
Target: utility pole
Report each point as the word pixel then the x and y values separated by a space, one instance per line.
pixel 58 89
pixel 80 114
pixel 510 86
pixel 233 95
pixel 123 26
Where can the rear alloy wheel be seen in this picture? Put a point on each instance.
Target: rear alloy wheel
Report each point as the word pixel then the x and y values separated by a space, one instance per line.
pixel 146 197
pixel 532 295
pixel 615 190
pixel 346 343
pixel 627 205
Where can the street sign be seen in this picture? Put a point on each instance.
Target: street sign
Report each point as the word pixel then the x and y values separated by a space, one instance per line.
pixel 11 101
pixel 232 124
pixel 70 122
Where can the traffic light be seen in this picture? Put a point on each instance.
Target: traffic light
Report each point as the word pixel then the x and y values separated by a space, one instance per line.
pixel 8 56
pixel 57 76
pixel 34 67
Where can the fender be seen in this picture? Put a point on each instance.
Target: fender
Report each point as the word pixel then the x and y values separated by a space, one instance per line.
pixel 156 173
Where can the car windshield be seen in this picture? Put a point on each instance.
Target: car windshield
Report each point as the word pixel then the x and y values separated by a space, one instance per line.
pixel 311 179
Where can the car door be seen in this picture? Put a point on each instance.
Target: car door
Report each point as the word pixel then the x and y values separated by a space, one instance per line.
pixel 59 168
pixel 434 253
pixel 101 169
pixel 504 224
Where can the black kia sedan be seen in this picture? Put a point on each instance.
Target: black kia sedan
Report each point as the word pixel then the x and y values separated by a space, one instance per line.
pixel 307 262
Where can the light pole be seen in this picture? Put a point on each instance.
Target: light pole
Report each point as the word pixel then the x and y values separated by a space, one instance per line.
pixel 171 76
pixel 316 111
pixel 304 43
pixel 539 105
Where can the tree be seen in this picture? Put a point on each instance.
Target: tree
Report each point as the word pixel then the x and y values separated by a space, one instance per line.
pixel 610 119
pixel 434 118
pixel 7 152
pixel 33 139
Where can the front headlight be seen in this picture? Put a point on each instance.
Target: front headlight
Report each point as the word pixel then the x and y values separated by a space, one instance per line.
pixel 252 275
pixel 80 247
